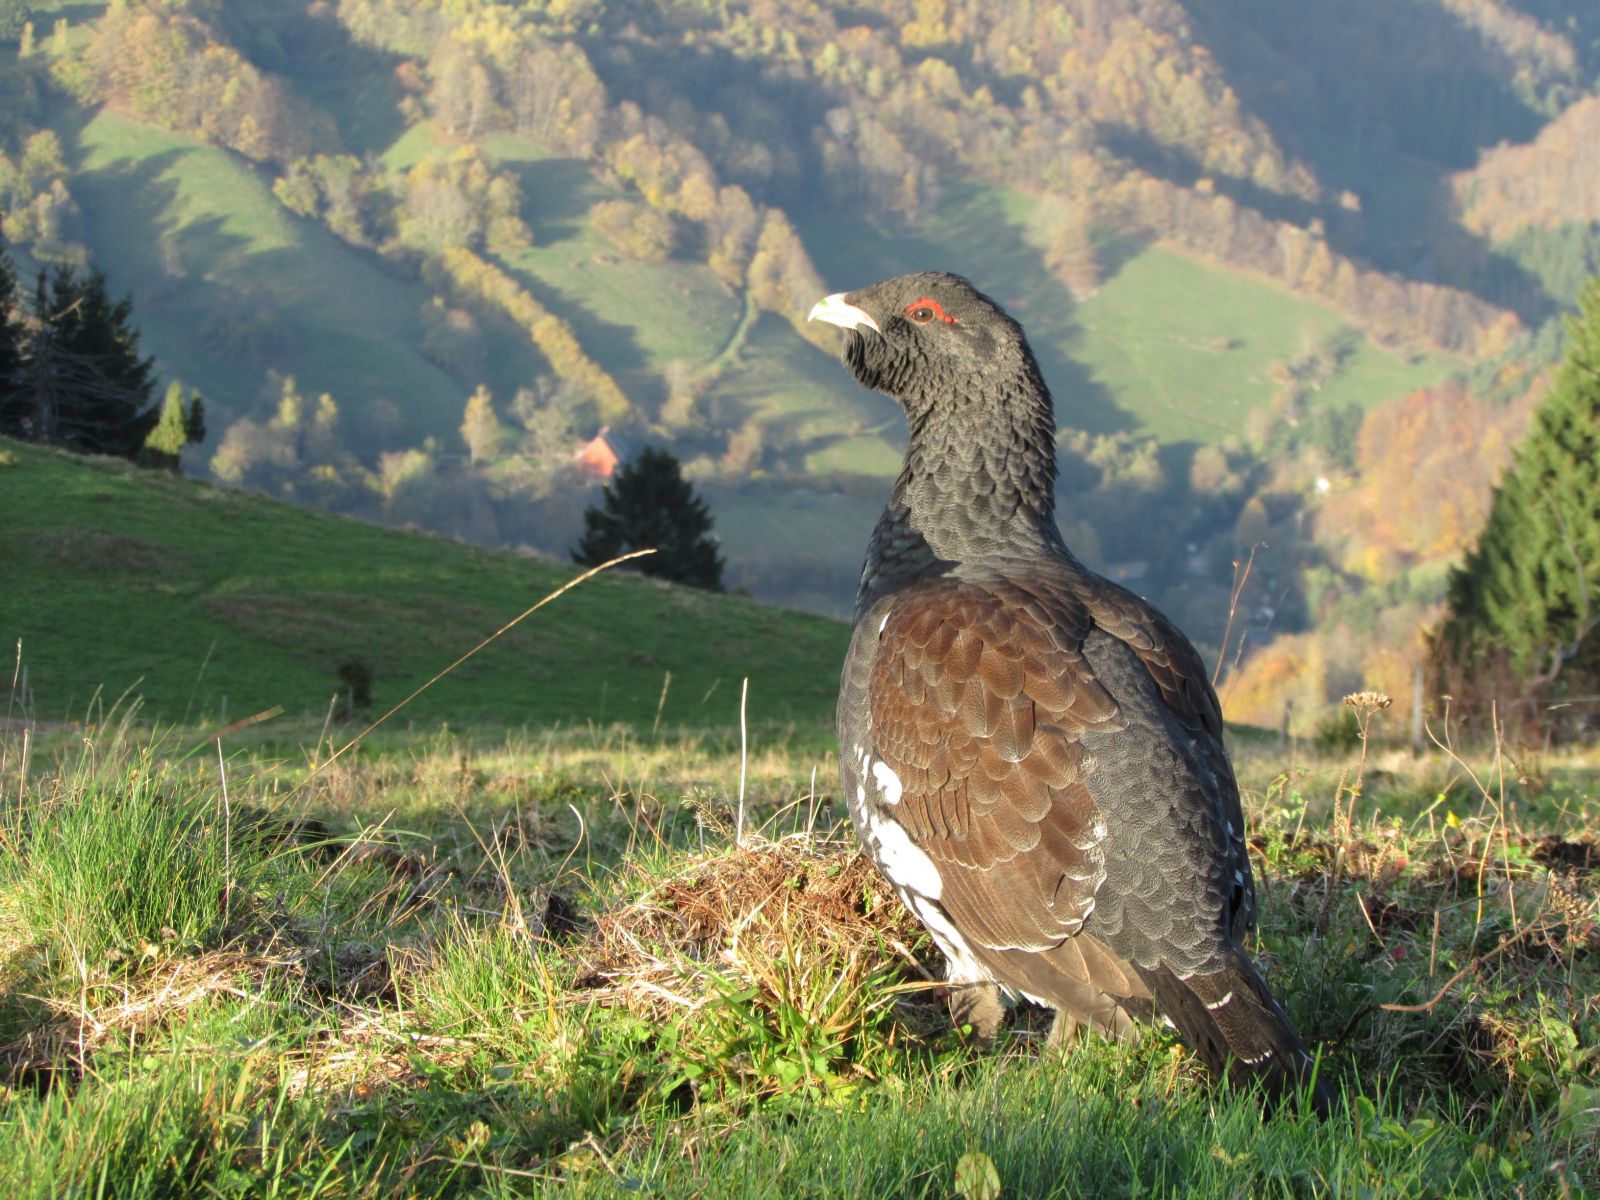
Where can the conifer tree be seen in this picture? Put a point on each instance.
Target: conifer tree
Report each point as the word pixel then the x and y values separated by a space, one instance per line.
pixel 80 382
pixel 1529 595
pixel 649 504
pixel 194 420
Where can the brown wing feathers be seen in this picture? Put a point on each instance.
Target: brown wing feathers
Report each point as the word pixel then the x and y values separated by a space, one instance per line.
pixel 977 708
pixel 1165 652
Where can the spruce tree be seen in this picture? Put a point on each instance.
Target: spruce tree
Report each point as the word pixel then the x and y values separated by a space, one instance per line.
pixel 81 382
pixel 649 504
pixel 1528 598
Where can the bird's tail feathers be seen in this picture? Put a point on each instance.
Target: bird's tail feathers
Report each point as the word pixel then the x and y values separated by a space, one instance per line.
pixel 1233 1024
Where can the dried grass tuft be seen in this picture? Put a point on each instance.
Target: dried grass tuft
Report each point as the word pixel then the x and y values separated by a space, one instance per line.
pixel 741 909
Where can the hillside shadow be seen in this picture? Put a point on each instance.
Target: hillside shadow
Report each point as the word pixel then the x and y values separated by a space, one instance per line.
pixel 1383 99
pixel 614 347
pixel 308 46
pixel 134 195
pixel 219 309
pixel 734 107
pixel 557 194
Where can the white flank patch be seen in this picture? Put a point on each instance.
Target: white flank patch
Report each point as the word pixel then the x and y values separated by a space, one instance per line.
pixel 964 965
pixel 904 864
pixel 888 781
pixel 883 623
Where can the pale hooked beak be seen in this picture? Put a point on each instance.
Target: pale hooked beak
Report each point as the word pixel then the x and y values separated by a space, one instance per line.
pixel 835 311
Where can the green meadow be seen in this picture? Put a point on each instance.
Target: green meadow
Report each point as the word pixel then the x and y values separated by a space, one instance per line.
pixel 629 961
pixel 120 579
pixel 190 227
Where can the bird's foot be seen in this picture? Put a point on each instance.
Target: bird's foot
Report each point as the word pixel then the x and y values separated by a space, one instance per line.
pixel 977 1007
pixel 1062 1030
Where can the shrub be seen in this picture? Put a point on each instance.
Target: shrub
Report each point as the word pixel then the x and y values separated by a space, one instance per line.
pixel 646 234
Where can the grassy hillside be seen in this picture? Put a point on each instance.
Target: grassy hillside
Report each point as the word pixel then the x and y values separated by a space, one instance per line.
pixel 1185 348
pixel 125 578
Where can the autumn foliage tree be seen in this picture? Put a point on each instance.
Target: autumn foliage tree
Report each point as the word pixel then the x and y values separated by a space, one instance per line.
pixel 168 67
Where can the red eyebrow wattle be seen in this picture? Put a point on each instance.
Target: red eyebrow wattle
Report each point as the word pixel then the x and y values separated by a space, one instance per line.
pixel 933 304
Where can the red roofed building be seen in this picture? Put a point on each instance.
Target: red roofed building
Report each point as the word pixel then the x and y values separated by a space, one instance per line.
pixel 598 457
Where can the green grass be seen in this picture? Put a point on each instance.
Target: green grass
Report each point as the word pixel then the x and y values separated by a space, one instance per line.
pixel 393 1009
pixel 135 579
pixel 1167 329
pixel 630 315
pixel 161 872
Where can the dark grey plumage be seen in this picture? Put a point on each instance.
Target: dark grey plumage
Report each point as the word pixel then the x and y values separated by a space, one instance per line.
pixel 1032 754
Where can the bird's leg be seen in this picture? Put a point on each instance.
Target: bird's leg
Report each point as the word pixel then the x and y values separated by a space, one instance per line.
pixel 1062 1029
pixel 977 1005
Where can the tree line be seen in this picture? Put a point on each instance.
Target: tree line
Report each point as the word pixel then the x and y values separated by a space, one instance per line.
pixel 171 68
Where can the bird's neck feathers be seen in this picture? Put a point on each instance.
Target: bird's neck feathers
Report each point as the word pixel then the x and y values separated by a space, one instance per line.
pixel 980 470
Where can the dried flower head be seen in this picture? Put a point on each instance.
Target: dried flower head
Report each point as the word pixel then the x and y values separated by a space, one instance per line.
pixel 1367 702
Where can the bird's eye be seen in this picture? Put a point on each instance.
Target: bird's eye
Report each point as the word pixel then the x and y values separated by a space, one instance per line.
pixel 925 310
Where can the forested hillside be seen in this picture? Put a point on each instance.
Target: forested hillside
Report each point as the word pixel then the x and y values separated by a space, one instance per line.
pixel 412 253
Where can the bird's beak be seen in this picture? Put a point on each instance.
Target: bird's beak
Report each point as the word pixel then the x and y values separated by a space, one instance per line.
pixel 835 311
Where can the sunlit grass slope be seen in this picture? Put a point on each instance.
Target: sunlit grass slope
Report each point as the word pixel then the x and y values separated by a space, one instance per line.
pixel 125 578
pixel 1186 347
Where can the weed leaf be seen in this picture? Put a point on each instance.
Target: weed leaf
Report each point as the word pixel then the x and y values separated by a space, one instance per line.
pixel 976 1177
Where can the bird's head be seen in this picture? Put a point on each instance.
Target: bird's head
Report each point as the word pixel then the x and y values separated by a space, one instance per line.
pixel 920 337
